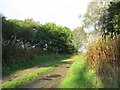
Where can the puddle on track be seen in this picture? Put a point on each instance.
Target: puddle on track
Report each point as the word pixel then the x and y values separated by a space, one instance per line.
pixel 50 77
pixel 53 75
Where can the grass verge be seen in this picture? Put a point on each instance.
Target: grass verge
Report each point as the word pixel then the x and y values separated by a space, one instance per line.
pixel 80 76
pixel 14 67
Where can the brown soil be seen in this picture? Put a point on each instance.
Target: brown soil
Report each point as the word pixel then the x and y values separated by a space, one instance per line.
pixel 52 78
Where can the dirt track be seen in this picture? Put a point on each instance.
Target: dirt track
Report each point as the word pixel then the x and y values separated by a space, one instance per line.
pixel 52 78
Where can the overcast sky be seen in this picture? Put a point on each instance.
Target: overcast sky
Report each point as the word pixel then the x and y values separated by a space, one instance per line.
pixel 61 12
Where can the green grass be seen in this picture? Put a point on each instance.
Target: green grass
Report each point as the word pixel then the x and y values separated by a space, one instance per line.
pixel 25 64
pixel 80 76
pixel 25 79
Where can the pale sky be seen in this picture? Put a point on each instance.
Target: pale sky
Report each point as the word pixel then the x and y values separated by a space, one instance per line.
pixel 61 12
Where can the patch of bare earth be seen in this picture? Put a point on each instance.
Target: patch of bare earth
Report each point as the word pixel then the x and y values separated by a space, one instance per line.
pixel 51 78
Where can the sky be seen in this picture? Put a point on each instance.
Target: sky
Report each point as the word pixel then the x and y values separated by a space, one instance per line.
pixel 61 12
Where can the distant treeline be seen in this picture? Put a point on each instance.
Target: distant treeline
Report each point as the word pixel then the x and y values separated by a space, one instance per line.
pixel 27 38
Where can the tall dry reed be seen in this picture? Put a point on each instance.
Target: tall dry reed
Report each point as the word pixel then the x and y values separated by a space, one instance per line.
pixel 103 55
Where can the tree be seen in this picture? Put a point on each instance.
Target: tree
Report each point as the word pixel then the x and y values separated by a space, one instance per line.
pixel 79 37
pixel 94 10
pixel 109 21
pixel 54 38
pixel 27 31
pixel 15 35
pixel 20 37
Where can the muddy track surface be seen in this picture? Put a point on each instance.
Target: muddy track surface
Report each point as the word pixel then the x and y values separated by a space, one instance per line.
pixel 52 78
pixel 24 72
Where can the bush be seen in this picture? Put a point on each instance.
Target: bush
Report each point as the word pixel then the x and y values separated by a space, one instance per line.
pixel 27 38
pixel 103 55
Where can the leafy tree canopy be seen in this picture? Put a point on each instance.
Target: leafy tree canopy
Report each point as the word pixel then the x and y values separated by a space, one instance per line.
pixel 79 37
pixel 110 19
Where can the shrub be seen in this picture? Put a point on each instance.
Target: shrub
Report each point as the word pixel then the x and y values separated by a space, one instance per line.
pixel 103 56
